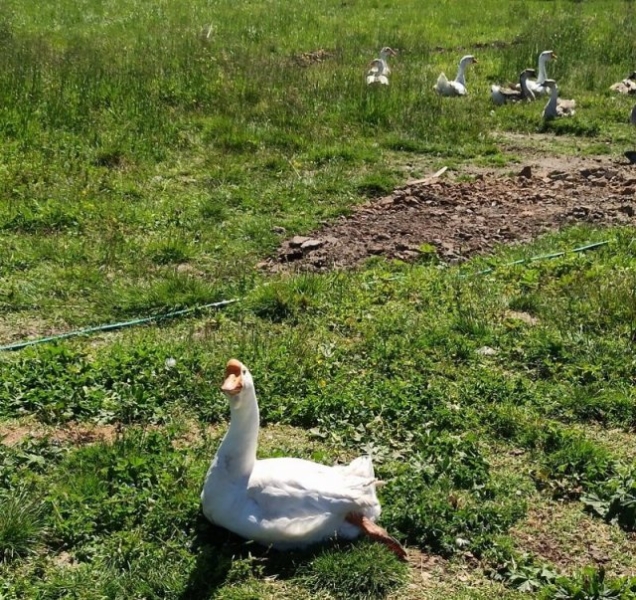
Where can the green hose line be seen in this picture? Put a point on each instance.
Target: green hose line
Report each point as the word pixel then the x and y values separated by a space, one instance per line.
pixel 185 311
pixel 112 326
pixel 545 256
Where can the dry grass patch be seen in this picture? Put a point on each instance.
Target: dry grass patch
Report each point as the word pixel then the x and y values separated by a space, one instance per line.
pixel 17 327
pixel 75 434
pixel 272 438
pixel 619 442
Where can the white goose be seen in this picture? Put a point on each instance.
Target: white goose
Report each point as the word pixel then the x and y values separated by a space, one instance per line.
pixel 284 502
pixel 537 87
pixel 500 95
pixel 444 87
pixel 379 70
pixel 557 107
pixel 626 86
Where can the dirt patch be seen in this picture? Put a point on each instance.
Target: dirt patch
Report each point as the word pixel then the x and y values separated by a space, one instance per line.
pixel 306 59
pixel 568 538
pixel 12 434
pixel 14 328
pixel 463 218
pixel 434 578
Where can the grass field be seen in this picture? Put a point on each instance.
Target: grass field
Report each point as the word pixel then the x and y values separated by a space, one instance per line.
pixel 147 165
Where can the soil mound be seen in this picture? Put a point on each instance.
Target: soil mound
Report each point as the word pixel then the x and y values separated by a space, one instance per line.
pixel 462 218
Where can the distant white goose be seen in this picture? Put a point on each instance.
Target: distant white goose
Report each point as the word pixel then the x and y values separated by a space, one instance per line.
pixel 379 70
pixel 444 87
pixel 557 107
pixel 500 95
pixel 537 87
pixel 626 86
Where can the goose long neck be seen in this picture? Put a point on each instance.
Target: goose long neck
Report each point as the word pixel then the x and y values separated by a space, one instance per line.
pixel 551 106
pixel 542 72
pixel 460 74
pixel 238 449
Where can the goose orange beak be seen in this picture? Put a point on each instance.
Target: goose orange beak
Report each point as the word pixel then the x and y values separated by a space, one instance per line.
pixel 233 383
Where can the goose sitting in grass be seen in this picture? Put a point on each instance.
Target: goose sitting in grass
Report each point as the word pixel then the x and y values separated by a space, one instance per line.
pixel 557 107
pixel 444 87
pixel 501 95
pixel 537 86
pixel 379 70
pixel 285 502
pixel 627 86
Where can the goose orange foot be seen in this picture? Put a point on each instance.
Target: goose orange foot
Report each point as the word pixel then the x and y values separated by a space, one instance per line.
pixel 377 533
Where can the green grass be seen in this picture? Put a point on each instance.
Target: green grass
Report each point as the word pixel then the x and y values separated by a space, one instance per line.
pixel 21 523
pixel 125 135
pixel 384 359
pixel 145 168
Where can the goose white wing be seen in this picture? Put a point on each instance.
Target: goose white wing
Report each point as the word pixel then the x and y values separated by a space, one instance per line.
pixel 381 79
pixel 457 89
pixel 536 88
pixel 449 88
pixel 377 73
pixel 282 486
pixel 294 502
pixel 441 84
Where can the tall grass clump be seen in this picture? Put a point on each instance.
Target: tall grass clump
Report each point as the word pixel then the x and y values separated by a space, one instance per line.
pixel 22 522
pixel 367 572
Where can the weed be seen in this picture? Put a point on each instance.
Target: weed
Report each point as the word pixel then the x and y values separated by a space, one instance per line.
pixel 366 572
pixel 22 522
pixel 589 584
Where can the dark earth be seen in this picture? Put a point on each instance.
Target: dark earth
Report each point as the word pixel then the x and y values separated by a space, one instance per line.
pixel 461 218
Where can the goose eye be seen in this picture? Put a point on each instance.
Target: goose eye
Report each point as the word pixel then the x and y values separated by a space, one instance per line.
pixel 244 371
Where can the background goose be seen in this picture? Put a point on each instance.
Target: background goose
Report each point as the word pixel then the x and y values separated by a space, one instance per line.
pixel 284 502
pixel 379 70
pixel 536 86
pixel 557 107
pixel 444 87
pixel 501 95
pixel 627 86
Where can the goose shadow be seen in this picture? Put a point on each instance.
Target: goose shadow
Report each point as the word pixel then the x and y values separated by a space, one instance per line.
pixel 217 549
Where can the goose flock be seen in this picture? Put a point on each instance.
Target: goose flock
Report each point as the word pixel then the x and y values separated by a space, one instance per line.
pixel 532 84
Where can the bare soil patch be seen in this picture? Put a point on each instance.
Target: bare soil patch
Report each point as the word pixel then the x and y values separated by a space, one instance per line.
pixel 568 538
pixel 78 434
pixel 464 218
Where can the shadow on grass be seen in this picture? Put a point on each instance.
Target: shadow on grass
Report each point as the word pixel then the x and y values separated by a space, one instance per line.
pixel 215 548
pixel 223 558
